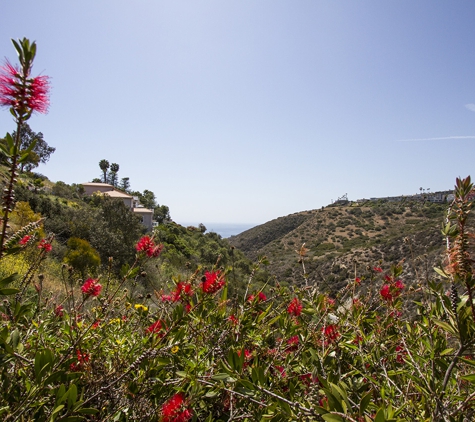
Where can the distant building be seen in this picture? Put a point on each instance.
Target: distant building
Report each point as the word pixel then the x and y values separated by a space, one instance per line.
pixel 131 202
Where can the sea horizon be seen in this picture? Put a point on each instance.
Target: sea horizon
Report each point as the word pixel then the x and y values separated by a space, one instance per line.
pixel 225 230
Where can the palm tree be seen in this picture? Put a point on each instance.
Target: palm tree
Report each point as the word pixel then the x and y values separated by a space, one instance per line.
pixel 104 165
pixel 113 174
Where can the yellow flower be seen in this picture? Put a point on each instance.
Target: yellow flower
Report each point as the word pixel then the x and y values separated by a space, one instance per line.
pixel 140 307
pixel 115 321
pixel 175 349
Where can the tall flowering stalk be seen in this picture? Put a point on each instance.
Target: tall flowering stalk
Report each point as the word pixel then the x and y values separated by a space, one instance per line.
pixel 24 95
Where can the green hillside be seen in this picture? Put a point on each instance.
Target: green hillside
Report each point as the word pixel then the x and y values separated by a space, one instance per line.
pixel 340 241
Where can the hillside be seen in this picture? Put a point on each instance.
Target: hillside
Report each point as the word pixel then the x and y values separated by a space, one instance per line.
pixel 343 240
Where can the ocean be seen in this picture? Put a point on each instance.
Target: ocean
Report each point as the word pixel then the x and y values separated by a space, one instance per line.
pixel 223 229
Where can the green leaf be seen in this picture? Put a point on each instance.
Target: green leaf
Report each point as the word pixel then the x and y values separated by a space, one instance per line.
pixel 365 400
pixel 447 327
pixel 7 280
pixel 56 410
pixel 380 417
pixel 15 339
pixel 220 377
pixel 73 394
pixel 212 393
pixel 470 378
pixel 329 417
pixel 88 411
pixel 441 272
pixel 7 291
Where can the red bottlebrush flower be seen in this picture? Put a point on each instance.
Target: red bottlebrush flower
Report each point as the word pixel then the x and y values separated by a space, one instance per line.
pixel 281 370
pixel 166 298
pixel 357 280
pixel 261 297
pixel 308 379
pixel 45 245
pixel 233 320
pixel 293 344
pixel 21 92
pixel 155 328
pixel 24 240
pixel 328 302
pixel 182 289
pixel 175 409
pixel 83 359
pixel 385 293
pixel 400 353
pixel 330 333
pixel 212 282
pixel 399 285
pixel 295 307
pixel 395 314
pixel 91 287
pixel 378 269
pixel 59 311
pixel 147 246
pixel 390 291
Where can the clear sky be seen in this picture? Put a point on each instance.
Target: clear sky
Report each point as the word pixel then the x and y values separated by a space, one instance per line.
pixel 242 111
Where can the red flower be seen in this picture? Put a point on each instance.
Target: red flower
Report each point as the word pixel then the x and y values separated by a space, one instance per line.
pixel 45 245
pixel 385 293
pixel 293 344
pixel 233 320
pixel 358 280
pixel 155 328
pixel 330 333
pixel 212 282
pixel 147 245
pixel 59 311
pixel 175 410
pixel 83 359
pixel 399 285
pixel 378 269
pixel 91 287
pixel 400 354
pixel 309 378
pixel 261 297
pixel 24 240
pixel 281 370
pixel 295 307
pixel 22 93
pixel 166 298
pixel 181 290
pixel 390 291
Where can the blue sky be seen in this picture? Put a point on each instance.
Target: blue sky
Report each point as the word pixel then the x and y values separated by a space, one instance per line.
pixel 244 111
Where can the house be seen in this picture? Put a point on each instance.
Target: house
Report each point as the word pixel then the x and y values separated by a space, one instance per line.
pixel 131 202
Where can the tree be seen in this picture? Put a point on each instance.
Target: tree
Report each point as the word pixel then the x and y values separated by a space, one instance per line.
pixel 125 184
pixel 104 165
pixel 113 174
pixel 41 151
pixel 162 213
pixel 82 256
pixel 147 199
